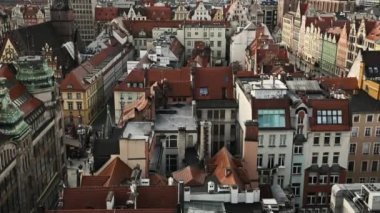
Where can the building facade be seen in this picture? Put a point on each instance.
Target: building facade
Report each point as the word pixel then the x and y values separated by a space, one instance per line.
pixel 84 11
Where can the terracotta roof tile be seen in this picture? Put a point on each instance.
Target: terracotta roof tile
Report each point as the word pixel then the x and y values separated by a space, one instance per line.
pixel 90 181
pixel 217 80
pixel 374 34
pixel 340 83
pixel 118 171
pixel 223 162
pixel 190 175
pixel 180 89
pixel 158 13
pixel 106 13
pixel 157 180
pixel 157 197
pixel 31 105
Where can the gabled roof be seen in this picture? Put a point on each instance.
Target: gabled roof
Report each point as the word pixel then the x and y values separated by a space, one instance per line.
pixel 217 80
pixel 158 13
pixel 190 175
pixel 374 34
pixel 228 171
pixel 117 171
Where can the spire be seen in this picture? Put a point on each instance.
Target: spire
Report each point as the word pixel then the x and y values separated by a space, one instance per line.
pixel 108 125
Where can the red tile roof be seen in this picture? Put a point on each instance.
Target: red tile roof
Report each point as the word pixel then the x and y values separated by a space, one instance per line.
pixel 118 171
pixel 215 79
pixel 90 181
pixel 30 105
pixel 157 180
pixel 180 89
pixel 340 83
pixel 106 13
pixel 158 13
pixel 158 74
pixel 190 175
pixel 162 197
pixel 374 34
pixel 93 197
pixel 228 171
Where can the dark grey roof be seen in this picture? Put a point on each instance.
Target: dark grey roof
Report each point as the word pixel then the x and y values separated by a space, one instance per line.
pixel 217 104
pixel 243 207
pixel 363 103
pixel 371 63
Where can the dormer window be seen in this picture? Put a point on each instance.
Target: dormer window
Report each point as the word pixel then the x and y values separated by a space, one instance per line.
pixel 203 91
pixel 69 86
pixel 142 33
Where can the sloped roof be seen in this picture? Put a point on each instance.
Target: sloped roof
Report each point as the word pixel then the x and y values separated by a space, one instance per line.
pixel 157 180
pixel 90 181
pixel 223 162
pixel 374 34
pixel 190 175
pixel 180 89
pixel 215 79
pixel 162 197
pixel 349 83
pixel 106 13
pixel 117 171
pixel 158 13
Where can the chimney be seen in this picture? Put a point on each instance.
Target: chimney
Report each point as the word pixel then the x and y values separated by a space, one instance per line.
pixel 181 200
pixel 250 148
pixel 110 200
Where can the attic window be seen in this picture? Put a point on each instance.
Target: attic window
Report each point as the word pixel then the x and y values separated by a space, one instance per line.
pixel 203 91
pixel 69 86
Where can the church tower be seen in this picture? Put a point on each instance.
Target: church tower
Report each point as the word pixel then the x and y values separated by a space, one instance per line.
pixel 62 18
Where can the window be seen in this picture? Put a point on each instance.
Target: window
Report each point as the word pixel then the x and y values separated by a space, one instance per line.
pixel 376 148
pixel 280 180
pixel 364 166
pixel 259 160
pixel 216 129
pixel 349 180
pixel 272 140
pixel 353 148
pixel 203 91
pixel 281 160
pixel 222 114
pixel 337 139
pixel 313 178
pixel 336 157
pixel 323 179
pixel 374 166
pixel 70 105
pixel 354 131
pixel 171 141
pixel 204 34
pixel 69 95
pixel 377 131
pixel 188 43
pixel 270 161
pixel 211 34
pixel 296 189
pixel 325 158
pixel 326 141
pixel 78 95
pixel 219 43
pixel 351 166
pixel 362 180
pixel 271 117
pixel 221 129
pixel 209 114
pixel 372 180
pixel 282 140
pixel 216 114
pixel 316 139
pixel 369 118
pixel 211 43
pixel 314 158
pixel 296 170
pixel 261 140
pixel 171 163
pixel 298 149
pixel 79 105
pixel 365 148
pixel 329 116
pixel 367 131
pixel 334 179
pixel 188 34
pixel 219 34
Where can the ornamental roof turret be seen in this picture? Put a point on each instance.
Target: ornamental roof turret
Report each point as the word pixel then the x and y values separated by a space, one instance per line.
pixel 11 117
pixel 35 73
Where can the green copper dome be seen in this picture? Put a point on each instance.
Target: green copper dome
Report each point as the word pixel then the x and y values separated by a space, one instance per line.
pixel 11 117
pixel 34 73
